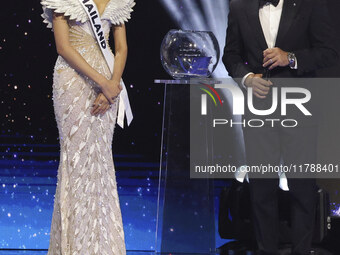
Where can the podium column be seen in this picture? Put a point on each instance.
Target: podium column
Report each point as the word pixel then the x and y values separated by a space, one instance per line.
pixel 185 210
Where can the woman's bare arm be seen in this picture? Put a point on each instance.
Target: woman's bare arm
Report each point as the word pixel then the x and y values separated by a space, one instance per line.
pixel 113 86
pixel 73 58
pixel 121 49
pixel 119 33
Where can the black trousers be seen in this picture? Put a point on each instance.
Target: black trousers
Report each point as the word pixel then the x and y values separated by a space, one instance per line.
pixel 273 146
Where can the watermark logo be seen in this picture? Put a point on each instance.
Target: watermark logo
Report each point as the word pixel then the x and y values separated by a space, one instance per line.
pixel 238 99
pixel 238 104
pixel 204 98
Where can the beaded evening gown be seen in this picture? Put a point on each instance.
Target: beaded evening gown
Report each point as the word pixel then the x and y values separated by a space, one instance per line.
pixel 86 217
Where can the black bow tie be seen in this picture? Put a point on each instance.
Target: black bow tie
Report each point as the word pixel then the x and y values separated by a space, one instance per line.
pixel 273 2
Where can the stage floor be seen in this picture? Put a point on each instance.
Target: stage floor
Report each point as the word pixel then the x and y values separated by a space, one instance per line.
pixel 27 187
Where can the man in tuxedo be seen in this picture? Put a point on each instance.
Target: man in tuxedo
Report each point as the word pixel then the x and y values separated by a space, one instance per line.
pixel 279 39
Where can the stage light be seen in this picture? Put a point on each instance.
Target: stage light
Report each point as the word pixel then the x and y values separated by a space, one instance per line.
pixel 202 15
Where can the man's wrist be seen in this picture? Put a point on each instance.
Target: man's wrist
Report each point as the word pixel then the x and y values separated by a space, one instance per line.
pixel 247 76
pixel 292 62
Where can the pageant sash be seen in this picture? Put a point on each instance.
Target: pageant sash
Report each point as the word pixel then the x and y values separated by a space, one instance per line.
pixel 92 12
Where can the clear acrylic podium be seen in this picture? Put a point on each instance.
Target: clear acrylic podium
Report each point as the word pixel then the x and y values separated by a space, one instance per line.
pixel 185 210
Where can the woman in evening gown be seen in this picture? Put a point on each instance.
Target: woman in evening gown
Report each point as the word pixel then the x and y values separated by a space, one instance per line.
pixel 86 216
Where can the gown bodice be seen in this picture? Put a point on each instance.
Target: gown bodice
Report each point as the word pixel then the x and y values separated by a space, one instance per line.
pixel 86 27
pixel 83 40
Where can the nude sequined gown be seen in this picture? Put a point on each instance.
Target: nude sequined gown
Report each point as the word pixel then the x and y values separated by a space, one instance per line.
pixel 86 217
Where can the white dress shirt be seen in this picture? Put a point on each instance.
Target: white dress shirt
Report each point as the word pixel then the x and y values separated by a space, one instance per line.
pixel 270 16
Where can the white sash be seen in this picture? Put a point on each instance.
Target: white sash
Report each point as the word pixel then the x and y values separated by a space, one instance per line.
pixel 97 27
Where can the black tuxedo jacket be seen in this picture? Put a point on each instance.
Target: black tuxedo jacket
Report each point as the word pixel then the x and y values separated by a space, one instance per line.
pixel 304 29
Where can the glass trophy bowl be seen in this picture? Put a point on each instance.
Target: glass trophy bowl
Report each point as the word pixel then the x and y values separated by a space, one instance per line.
pixel 188 54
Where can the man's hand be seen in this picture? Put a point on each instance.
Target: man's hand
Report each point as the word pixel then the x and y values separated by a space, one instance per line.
pixel 274 57
pixel 260 86
pixel 100 105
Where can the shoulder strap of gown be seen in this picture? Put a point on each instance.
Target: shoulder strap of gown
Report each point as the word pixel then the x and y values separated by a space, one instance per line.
pixel 118 11
pixel 70 8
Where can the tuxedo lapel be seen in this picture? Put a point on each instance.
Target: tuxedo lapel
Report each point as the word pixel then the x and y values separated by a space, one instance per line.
pixel 289 11
pixel 254 22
